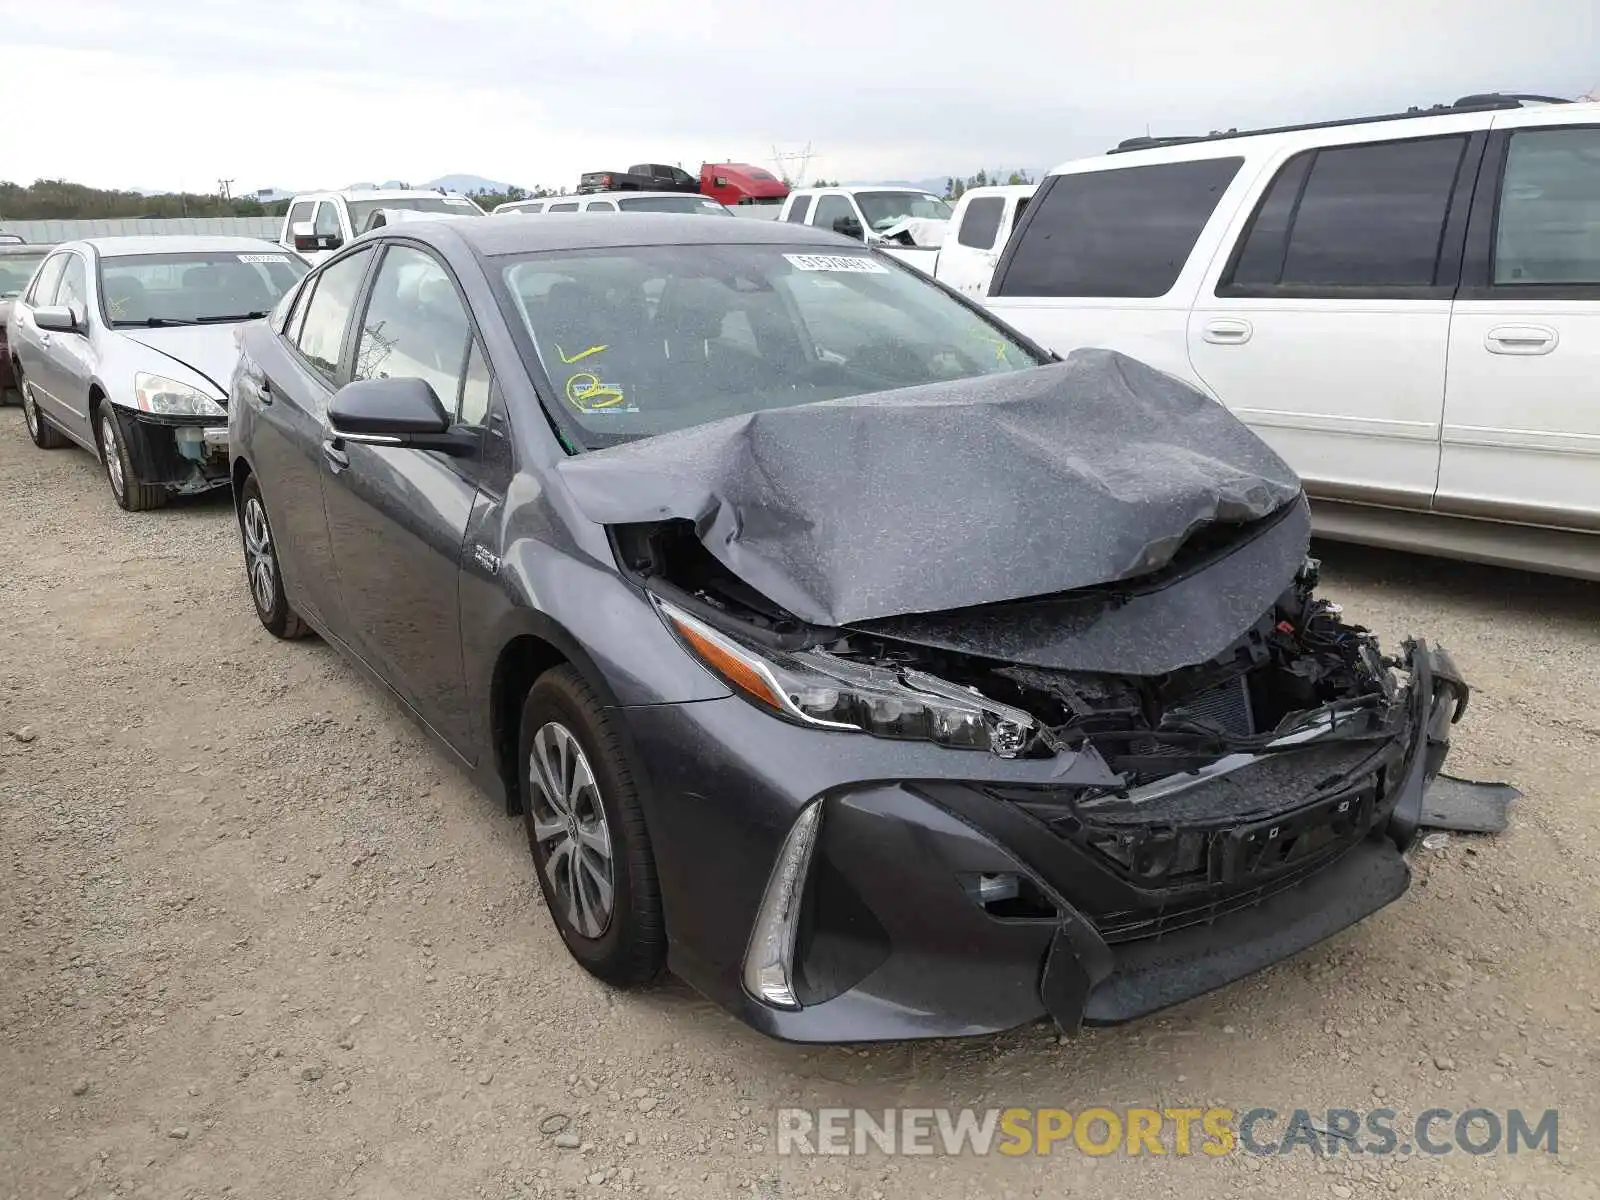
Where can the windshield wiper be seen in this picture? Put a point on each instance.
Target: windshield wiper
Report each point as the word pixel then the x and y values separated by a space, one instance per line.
pixel 153 322
pixel 249 316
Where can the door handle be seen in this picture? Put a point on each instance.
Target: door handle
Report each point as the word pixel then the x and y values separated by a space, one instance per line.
pixel 44 338
pixel 1521 339
pixel 338 460
pixel 1227 331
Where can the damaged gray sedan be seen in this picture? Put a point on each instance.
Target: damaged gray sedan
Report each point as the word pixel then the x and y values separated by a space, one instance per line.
pixel 845 653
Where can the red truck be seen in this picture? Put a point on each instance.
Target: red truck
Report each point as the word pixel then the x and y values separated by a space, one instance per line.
pixel 738 185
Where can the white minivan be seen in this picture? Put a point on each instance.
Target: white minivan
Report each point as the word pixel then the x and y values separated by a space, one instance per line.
pixel 1406 307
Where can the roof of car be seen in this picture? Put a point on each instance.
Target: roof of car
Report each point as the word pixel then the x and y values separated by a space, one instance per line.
pixel 623 195
pixel 508 234
pixel 177 243
pixel 382 194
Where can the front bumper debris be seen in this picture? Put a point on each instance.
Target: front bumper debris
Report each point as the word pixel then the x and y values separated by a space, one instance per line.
pixel 899 938
pixel 184 454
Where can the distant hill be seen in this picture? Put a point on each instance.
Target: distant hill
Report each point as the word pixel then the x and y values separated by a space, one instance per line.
pixel 469 184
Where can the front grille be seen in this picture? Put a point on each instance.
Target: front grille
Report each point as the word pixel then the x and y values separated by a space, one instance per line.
pixel 1133 924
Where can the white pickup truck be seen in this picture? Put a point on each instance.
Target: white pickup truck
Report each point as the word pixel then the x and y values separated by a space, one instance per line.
pixel 318 223
pixel 959 247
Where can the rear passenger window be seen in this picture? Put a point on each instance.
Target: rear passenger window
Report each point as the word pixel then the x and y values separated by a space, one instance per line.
pixel 321 334
pixel 798 210
pixel 571 206
pixel 1126 231
pixel 1351 217
pixel 1549 226
pixel 982 222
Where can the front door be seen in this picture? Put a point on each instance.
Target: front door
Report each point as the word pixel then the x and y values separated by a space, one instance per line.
pixel 1326 326
pixel 398 517
pixel 1522 408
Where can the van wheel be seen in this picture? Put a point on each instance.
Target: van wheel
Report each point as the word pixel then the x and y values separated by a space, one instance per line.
pixel 126 487
pixel 587 832
pixel 45 435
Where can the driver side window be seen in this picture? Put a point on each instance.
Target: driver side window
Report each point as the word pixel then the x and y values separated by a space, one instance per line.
pixel 74 289
pixel 416 327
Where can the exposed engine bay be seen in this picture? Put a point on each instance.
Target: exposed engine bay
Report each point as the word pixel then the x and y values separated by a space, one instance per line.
pixel 1262 761
pixel 1300 664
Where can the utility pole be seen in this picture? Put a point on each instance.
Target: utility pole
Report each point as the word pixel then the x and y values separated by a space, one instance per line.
pixel 222 189
pixel 796 176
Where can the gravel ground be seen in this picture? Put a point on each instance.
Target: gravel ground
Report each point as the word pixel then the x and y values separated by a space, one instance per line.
pixel 261 940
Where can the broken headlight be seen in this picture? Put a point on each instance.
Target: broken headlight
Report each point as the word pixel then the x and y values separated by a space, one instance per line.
pixel 813 687
pixel 157 394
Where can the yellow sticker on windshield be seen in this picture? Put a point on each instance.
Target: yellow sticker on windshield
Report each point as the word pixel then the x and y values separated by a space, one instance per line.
pixel 581 355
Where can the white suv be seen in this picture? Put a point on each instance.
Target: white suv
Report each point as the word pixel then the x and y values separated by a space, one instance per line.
pixel 1406 307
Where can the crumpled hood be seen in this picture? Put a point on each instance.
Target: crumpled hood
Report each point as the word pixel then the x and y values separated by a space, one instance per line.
pixel 948 495
pixel 208 349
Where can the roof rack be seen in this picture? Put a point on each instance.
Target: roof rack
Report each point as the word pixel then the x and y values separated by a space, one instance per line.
pixel 1475 103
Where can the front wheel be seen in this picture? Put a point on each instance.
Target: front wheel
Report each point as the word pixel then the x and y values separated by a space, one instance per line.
pixel 126 487
pixel 261 567
pixel 587 833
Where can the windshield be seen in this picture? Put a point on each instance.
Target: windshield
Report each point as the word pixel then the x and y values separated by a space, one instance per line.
pixel 883 209
pixel 15 271
pixel 647 339
pixel 700 205
pixel 362 210
pixel 189 288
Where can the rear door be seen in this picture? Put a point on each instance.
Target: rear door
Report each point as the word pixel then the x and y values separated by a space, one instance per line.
pixel 292 382
pixel 30 343
pixel 1522 405
pixel 398 517
pixel 67 364
pixel 1325 326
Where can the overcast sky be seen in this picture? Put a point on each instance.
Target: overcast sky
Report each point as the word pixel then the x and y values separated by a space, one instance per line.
pixel 318 93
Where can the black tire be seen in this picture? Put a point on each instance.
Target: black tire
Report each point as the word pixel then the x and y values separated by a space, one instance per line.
pixel 45 435
pixel 261 572
pixel 631 949
pixel 127 489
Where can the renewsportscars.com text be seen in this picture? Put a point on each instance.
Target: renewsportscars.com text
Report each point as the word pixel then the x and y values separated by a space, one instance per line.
pixel 1211 1132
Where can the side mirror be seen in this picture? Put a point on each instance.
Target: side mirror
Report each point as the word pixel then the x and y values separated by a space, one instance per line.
pixel 850 227
pixel 57 318
pixel 303 235
pixel 396 412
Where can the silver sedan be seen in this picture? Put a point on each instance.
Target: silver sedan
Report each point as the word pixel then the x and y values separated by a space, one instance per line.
pixel 126 345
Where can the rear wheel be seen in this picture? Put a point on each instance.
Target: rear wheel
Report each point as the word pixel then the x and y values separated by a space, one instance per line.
pixel 261 567
pixel 587 833
pixel 45 435
pixel 126 487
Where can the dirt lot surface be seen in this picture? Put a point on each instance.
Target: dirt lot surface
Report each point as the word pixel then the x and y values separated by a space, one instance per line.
pixel 261 940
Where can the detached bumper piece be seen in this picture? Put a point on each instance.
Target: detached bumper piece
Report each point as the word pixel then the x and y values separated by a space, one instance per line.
pixel 184 454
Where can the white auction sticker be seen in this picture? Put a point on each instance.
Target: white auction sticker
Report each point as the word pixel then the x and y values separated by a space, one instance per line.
pixel 836 262
pixel 264 258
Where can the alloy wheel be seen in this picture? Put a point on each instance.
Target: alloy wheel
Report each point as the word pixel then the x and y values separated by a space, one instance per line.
pixel 113 453
pixel 569 826
pixel 258 555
